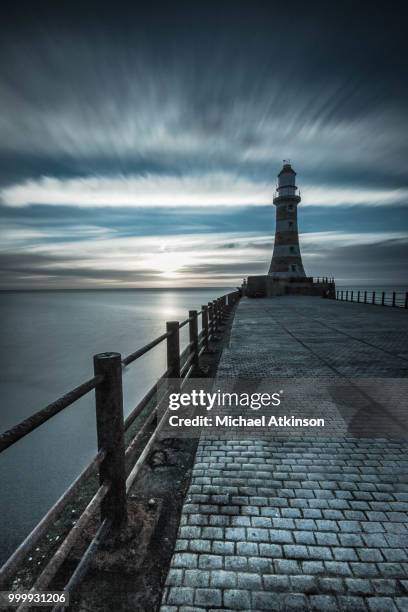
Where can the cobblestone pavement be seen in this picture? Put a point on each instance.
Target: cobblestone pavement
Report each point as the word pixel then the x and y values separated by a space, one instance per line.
pixel 303 523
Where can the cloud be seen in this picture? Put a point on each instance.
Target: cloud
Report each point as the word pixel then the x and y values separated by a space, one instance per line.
pixel 215 189
pixel 98 98
pixel 25 269
pixel 149 139
pixel 196 259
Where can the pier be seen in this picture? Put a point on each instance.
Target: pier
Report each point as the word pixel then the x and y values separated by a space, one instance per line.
pixel 302 523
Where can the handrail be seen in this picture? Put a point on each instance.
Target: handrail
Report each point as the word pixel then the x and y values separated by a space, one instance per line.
pixel 84 563
pixel 395 299
pixel 323 280
pixel 111 427
pixel 28 425
pixel 186 364
pixel 186 350
pixel 142 404
pixel 61 554
pixel 30 541
pixel 147 347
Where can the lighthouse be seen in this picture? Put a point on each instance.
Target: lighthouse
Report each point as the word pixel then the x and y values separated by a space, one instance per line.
pixel 286 273
pixel 286 259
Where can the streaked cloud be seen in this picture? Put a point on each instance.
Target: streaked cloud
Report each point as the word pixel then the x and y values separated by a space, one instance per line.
pixel 161 191
pixel 140 146
pixel 178 260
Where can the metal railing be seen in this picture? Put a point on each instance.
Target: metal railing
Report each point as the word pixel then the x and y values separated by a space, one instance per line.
pixel 285 191
pixel 397 299
pixel 325 280
pixel 113 458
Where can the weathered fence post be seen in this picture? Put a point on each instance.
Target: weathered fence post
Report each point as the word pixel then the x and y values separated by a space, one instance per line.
pixel 193 335
pixel 351 297
pixel 219 310
pixel 210 320
pixel 216 315
pixel 365 297
pixel 358 297
pixel 110 431
pixel 406 299
pixel 204 325
pixel 346 296
pixel 393 298
pixel 173 349
pixel 383 298
pixel 373 299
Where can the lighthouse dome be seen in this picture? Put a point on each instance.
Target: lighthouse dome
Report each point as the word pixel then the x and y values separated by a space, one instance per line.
pixel 287 176
pixel 287 168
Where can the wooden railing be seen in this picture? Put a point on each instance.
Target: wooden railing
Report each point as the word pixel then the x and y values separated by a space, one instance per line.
pixel 397 299
pixel 117 471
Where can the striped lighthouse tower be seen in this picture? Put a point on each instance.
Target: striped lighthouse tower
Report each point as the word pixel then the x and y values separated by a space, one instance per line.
pixel 286 259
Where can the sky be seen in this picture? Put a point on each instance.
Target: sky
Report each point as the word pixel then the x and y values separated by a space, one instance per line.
pixel 140 143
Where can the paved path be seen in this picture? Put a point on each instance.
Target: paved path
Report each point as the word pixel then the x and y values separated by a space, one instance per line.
pixel 299 523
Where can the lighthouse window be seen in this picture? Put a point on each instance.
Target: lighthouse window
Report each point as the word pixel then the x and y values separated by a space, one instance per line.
pixel 290 224
pixel 292 249
pixel 293 268
pixel 290 207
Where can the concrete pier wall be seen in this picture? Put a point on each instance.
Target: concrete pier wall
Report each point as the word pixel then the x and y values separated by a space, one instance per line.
pixel 269 286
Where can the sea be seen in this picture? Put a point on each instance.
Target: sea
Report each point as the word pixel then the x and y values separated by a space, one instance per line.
pixel 48 340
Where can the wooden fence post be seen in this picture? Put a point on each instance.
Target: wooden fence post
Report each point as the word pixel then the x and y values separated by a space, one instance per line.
pixel 393 298
pixel 383 298
pixel 173 349
pixel 110 431
pixel 216 315
pixel 365 297
pixel 406 299
pixel 204 325
pixel 373 298
pixel 210 320
pixel 351 297
pixel 193 335
pixel 219 310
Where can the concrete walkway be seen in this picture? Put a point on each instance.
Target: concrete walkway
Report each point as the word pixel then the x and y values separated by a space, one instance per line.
pixel 302 523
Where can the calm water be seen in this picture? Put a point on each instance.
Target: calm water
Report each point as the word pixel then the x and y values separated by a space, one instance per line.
pixel 48 341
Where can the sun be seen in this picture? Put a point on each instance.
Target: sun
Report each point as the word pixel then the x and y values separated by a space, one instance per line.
pixel 166 263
